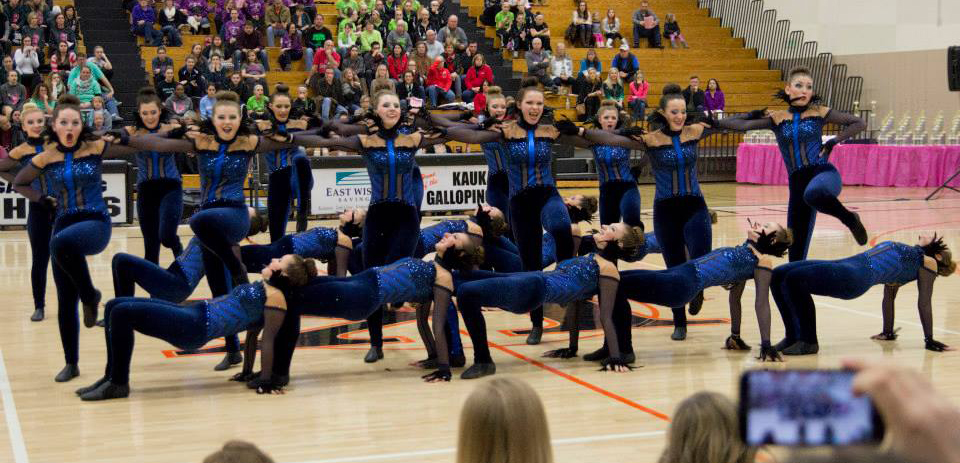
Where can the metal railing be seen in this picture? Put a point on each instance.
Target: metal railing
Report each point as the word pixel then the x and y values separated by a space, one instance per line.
pixel 786 49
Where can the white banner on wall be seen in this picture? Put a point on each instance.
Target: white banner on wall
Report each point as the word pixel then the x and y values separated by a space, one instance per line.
pixel 13 207
pixel 445 188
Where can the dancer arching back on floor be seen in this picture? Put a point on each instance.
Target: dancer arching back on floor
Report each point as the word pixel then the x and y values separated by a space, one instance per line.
pixel 39 215
pixel 572 280
pixel 678 285
pixel 889 263
pixel 814 183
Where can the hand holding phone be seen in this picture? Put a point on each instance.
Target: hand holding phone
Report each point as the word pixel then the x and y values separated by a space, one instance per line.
pixel 415 102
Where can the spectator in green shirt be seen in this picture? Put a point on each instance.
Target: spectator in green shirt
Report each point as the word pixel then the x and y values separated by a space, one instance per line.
pixel 368 37
pixel 345 6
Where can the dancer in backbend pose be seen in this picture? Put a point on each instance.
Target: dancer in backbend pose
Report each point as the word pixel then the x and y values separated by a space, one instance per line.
pixel 192 326
pixel 357 296
pixel 814 182
pixel 159 186
pixel 572 280
pixel 680 216
pixel 39 215
pixel 70 173
pixel 678 285
pixel 392 226
pixel 224 147
pixel 889 263
pixel 326 244
pixel 175 283
pixel 290 174
pixel 534 202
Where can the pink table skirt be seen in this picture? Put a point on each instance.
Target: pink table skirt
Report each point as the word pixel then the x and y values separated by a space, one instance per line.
pixel 871 165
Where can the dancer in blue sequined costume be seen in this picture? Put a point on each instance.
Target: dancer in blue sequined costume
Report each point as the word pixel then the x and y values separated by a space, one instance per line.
pixel 290 174
pixel 70 172
pixel 889 263
pixel 358 296
pixel 39 215
pixel 573 280
pixel 392 227
pixel 534 204
pixel 678 285
pixel 814 183
pixel 619 196
pixel 159 185
pixel 191 326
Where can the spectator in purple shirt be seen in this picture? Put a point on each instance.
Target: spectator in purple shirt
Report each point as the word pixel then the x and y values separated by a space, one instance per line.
pixel 197 12
pixel 291 47
pixel 232 28
pixel 141 23
pixel 713 98
pixel 255 10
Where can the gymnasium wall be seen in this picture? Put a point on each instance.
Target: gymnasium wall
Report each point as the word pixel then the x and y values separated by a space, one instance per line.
pixel 897 46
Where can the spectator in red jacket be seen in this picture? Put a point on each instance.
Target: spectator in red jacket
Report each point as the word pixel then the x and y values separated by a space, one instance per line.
pixel 476 76
pixel 397 62
pixel 439 82
pixel 326 58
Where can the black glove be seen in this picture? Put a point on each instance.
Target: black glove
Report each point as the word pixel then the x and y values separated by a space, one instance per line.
pixel 265 386
pixel 465 116
pixel 767 352
pixel 634 131
pixel 828 147
pixel 243 376
pixel 442 374
pixel 436 131
pixel 428 363
pixel 489 122
pixel 756 114
pixel 565 353
pixel 614 364
pixel 178 132
pixel 935 346
pixel 120 136
pixel 567 127
pixel 49 202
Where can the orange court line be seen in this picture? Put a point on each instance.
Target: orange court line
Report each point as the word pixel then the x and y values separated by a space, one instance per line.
pixel 581 382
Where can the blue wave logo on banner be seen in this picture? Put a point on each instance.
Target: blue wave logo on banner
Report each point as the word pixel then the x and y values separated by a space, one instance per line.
pixel 353 178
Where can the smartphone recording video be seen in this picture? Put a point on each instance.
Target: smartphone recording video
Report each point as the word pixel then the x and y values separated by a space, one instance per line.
pixel 805 408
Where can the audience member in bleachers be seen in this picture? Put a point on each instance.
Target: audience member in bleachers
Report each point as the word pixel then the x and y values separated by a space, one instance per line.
pixel 410 88
pixel 249 41
pixel 58 32
pixel 451 61
pixel 141 23
pixel 217 46
pixel 347 39
pixel 369 36
pixel 216 72
pixel 41 98
pixel 192 78
pixel 637 102
pixel 236 451
pixel 420 25
pixel 253 71
pixel 10 135
pixel 434 46
pixel 705 428
pixel 399 36
pixel 101 120
pixel 626 63
pixel 207 102
pixel 303 106
pixel 671 30
pixel 589 95
pixel 291 47
pixel 438 14
pixel 352 89
pixel 329 91
pixel 478 74
pixel 160 63
pixel 232 28
pixel 613 87
pixel 85 87
pixel 611 28
pixel 518 36
pixel 503 421
pixel 57 86
pixel 646 25
pixel 538 62
pixel 354 60
pixel 324 59
pixel 301 18
pixel 27 59
pixel 453 33
pixel 420 58
pixel 198 15
pixel 503 21
pixel 539 29
pixel 35 30
pixel 254 10
pixel 439 83
pixel 180 104
pixel 8 65
pixel 561 69
pixel 580 32
pixel 105 84
pixel 589 61
pixel 343 6
pixel 397 62
pixel 372 62
pixel 236 84
pixel 713 97
pixel 694 96
pixel 314 39
pixel 257 103
pixel 171 20
pixel 278 17
pixel 12 92
pixel 101 60
pixel 72 21
pixel 63 59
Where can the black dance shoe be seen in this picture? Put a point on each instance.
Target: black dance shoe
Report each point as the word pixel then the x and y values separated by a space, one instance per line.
pixel 374 354
pixel 90 311
pixel 696 304
pixel 229 360
pixel 37 315
pixel 479 370
pixel 102 323
pixel 86 389
pixel 597 355
pixel 859 232
pixel 784 343
pixel 679 333
pixel 69 371
pixel 107 391
pixel 535 334
pixel 801 348
pixel 458 360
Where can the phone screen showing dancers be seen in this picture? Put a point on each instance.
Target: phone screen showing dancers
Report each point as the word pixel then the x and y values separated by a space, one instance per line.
pixel 805 408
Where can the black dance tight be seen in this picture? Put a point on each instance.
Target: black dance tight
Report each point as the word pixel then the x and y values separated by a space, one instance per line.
pixel 286 184
pixel 813 189
pixel 682 227
pixel 159 208
pixel 39 230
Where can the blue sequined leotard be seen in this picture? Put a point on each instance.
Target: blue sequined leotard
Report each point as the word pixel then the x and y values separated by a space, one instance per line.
pixel 799 136
pixel 76 183
pixel 25 159
pixel 316 243
pixel 430 236
pixel 613 163
pixel 529 155
pixel 234 312
pixel 223 168
pixel 190 262
pixel 283 158
pixel 673 157
pixel 406 280
pixel 493 152
pixel 152 165
pixel 725 266
pixel 572 280
pixel 390 165
pixel 892 263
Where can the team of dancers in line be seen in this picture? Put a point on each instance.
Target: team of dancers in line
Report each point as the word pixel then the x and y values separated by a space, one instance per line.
pixel 519 251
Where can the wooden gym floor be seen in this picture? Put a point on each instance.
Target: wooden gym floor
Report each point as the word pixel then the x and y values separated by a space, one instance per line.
pixel 339 409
